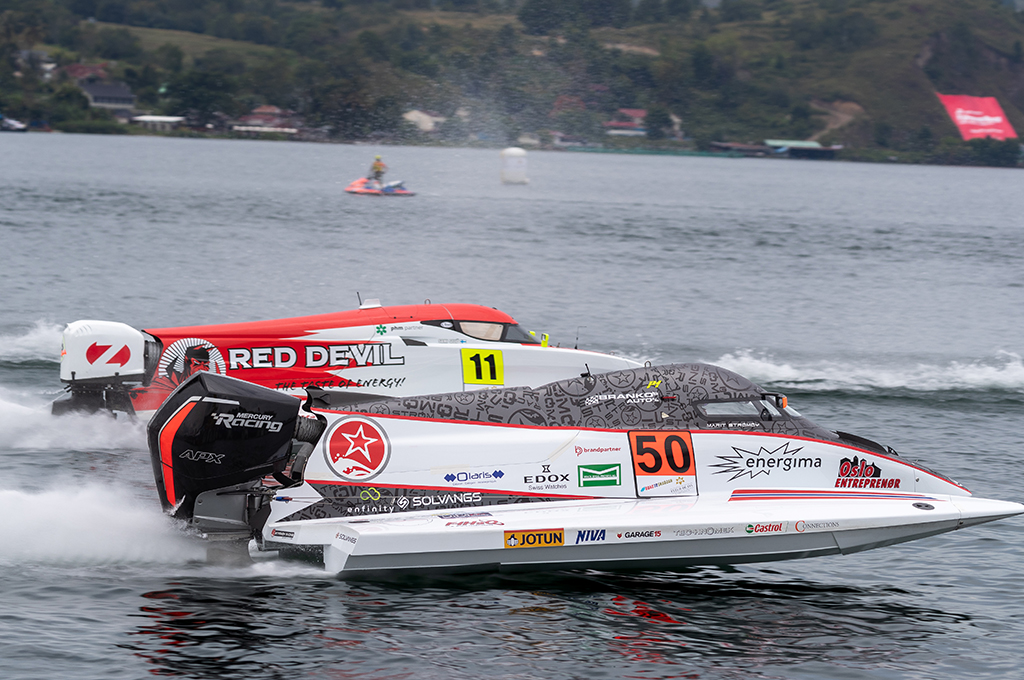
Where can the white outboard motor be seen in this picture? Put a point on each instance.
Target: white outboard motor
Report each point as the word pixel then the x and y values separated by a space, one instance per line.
pixel 97 360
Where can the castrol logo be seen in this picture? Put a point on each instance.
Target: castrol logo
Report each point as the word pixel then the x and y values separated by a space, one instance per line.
pixel 767 528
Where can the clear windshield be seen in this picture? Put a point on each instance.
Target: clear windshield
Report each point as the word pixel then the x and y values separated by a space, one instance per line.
pixel 753 408
pixel 515 333
pixel 482 330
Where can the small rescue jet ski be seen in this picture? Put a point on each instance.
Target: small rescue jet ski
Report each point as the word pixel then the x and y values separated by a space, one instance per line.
pixel 374 350
pixel 648 468
pixel 11 125
pixel 371 187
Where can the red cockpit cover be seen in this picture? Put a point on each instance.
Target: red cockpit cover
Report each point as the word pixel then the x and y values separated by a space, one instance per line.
pixel 977 117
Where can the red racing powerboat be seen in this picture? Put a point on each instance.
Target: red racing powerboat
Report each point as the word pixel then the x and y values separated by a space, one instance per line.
pixel 374 350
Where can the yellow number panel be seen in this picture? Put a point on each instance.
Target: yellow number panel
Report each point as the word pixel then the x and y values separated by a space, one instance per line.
pixel 482 367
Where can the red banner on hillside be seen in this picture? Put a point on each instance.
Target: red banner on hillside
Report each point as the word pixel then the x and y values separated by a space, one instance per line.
pixel 977 117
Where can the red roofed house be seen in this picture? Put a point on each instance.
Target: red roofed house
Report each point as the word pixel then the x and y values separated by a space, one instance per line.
pixel 268 118
pixel 80 72
pixel 627 123
pixel 566 103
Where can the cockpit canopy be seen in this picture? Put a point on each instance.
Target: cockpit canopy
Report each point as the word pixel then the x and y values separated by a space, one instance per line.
pixel 676 396
pixel 768 407
pixel 487 330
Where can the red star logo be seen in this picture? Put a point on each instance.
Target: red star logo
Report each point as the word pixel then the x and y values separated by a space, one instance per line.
pixel 357 443
pixel 357 448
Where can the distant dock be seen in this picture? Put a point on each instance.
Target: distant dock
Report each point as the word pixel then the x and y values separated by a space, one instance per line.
pixel 655 152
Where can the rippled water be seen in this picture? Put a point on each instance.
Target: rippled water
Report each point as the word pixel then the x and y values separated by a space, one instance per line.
pixel 884 300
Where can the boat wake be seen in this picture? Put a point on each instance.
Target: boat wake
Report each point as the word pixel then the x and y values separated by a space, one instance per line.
pixel 40 343
pixel 27 424
pixel 1003 372
pixel 104 525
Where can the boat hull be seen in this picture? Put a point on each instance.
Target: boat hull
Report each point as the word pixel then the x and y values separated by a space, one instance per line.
pixel 628 535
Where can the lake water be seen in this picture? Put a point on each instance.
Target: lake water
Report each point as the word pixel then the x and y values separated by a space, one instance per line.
pixel 884 300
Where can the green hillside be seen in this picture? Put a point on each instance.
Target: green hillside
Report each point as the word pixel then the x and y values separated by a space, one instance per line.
pixel 862 73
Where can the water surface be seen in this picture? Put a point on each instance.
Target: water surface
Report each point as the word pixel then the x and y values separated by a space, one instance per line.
pixel 884 300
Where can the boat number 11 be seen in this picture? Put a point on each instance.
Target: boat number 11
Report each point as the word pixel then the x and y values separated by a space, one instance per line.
pixel 482 367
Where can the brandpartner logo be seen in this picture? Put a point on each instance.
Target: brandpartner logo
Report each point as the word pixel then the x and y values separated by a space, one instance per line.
pixel 538 538
pixel 599 475
pixel 580 450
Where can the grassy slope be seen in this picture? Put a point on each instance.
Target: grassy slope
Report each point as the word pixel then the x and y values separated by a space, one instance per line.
pixel 888 82
pixel 193 44
pixel 885 77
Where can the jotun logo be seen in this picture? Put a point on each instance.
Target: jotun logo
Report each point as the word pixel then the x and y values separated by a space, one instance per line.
pixel 538 538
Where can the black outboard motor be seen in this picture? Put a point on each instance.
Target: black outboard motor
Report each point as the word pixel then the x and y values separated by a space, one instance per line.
pixel 212 442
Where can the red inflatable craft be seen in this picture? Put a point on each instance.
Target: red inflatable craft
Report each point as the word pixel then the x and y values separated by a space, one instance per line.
pixel 371 187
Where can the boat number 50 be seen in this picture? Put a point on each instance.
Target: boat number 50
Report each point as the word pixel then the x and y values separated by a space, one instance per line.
pixel 661 453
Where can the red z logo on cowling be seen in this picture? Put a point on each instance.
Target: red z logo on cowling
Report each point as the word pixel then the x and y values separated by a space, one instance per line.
pixel 96 351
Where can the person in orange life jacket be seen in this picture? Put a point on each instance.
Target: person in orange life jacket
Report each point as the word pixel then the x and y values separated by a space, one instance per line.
pixel 378 169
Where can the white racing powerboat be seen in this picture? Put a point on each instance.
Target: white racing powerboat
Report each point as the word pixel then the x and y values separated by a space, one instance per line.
pixel 656 467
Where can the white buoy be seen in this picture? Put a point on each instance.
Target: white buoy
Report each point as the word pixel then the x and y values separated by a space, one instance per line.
pixel 513 166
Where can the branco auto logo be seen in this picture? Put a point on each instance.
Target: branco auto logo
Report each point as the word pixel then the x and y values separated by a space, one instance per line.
pixel 630 398
pixel 357 449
